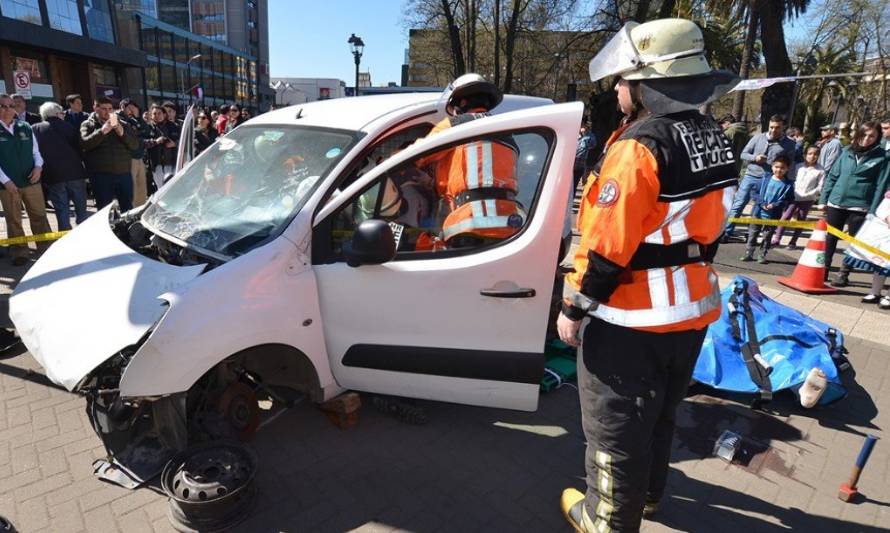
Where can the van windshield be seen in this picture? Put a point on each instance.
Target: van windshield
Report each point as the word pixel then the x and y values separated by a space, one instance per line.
pixel 246 187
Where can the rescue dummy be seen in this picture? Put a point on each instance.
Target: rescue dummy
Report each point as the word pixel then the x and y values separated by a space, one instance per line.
pixel 650 216
pixel 400 201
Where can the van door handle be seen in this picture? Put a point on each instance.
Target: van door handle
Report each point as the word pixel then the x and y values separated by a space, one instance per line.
pixel 519 292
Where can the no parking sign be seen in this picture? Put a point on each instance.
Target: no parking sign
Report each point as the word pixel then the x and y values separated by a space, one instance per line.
pixel 22 81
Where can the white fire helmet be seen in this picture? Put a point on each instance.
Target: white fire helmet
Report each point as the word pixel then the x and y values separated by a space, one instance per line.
pixel 471 86
pixel 665 48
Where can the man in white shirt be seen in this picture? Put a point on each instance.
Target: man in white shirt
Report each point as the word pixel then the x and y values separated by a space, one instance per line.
pixel 20 168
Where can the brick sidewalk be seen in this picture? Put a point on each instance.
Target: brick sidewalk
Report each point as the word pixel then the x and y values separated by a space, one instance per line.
pixel 472 469
pixel 469 469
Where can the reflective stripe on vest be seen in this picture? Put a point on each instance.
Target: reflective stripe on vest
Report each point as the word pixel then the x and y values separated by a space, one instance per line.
pixel 472 156
pixel 675 220
pixel 479 173
pixel 476 223
pixel 659 316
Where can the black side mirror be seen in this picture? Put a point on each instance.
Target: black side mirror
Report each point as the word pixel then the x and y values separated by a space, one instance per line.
pixel 372 244
pixel 168 177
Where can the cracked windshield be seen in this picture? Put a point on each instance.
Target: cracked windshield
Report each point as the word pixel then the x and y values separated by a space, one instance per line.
pixel 246 186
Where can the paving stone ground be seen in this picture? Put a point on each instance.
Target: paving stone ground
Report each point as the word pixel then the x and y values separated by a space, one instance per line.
pixel 472 469
pixel 469 469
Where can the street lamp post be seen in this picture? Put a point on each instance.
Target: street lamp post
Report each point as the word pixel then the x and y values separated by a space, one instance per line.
pixel 357 46
pixel 188 66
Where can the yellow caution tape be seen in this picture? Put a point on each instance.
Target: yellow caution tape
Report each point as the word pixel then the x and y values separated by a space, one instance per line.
pixel 771 222
pixel 33 238
pixel 811 225
pixel 852 240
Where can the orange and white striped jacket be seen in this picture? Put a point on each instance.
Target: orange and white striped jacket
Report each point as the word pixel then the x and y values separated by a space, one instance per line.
pixel 664 180
pixel 478 182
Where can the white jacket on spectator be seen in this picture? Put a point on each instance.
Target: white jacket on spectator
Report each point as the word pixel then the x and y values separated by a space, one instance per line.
pixel 808 182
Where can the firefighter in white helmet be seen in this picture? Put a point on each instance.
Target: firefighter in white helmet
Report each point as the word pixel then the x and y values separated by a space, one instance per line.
pixel 477 180
pixel 645 288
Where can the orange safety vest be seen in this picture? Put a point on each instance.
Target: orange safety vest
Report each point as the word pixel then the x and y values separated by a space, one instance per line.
pixel 664 180
pixel 478 181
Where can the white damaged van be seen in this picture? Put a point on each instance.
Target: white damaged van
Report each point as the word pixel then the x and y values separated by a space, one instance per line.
pixel 243 272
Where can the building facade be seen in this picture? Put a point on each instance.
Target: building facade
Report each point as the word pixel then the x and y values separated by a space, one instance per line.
pixel 220 45
pixel 67 47
pixel 132 48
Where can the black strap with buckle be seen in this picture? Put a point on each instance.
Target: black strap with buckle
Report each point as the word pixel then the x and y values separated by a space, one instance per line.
pixel 758 368
pixel 484 193
pixel 662 256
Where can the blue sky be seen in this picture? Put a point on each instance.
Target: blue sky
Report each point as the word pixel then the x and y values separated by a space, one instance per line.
pixel 308 39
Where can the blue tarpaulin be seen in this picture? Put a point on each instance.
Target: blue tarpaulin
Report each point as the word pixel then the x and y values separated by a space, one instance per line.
pixel 789 345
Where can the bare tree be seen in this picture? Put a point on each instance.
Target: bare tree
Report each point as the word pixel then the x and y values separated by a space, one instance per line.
pixel 497 43
pixel 510 41
pixel 454 37
pixel 747 52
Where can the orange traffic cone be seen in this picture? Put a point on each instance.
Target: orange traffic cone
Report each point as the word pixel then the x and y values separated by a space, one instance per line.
pixel 809 274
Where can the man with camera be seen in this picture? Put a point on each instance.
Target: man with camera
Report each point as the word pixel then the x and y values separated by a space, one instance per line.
pixel 107 143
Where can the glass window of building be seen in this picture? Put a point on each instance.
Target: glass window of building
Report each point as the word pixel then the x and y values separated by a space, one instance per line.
pixel 180 49
pixel 182 76
pixel 104 75
pixel 165 45
pixel 175 12
pixel 63 15
pixel 152 79
pixel 168 80
pixel 98 20
pixel 209 19
pixel 229 89
pixel 34 64
pixel 24 10
pixel 220 88
pixel 147 7
pixel 149 41
pixel 222 62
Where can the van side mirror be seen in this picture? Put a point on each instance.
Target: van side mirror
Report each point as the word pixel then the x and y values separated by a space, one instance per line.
pixel 372 244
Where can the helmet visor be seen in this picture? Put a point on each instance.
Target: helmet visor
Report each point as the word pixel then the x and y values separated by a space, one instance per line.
pixel 617 56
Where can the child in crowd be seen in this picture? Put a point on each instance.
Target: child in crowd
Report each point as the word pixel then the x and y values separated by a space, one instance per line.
pixel 808 179
pixel 775 194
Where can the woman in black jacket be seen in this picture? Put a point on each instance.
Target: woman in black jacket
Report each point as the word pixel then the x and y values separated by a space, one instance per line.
pixel 63 171
pixel 205 134
pixel 161 145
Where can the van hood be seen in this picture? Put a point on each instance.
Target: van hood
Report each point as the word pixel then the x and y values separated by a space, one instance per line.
pixel 88 297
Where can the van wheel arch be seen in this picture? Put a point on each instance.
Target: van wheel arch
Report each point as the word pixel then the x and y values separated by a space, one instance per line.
pixel 275 364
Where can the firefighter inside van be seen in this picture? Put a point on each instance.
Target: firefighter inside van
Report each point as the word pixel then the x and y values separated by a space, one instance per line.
pixel 476 181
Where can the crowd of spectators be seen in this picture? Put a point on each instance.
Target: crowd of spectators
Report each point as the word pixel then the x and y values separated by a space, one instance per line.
pixel 63 155
pixel 845 175
pixel 124 153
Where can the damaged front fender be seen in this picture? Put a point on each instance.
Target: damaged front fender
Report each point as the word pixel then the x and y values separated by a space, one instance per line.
pixel 88 297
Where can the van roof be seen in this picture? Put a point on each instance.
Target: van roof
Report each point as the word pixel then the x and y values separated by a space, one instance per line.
pixel 354 113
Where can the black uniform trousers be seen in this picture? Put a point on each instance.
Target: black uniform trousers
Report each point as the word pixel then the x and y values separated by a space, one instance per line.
pixel 839 217
pixel 630 383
